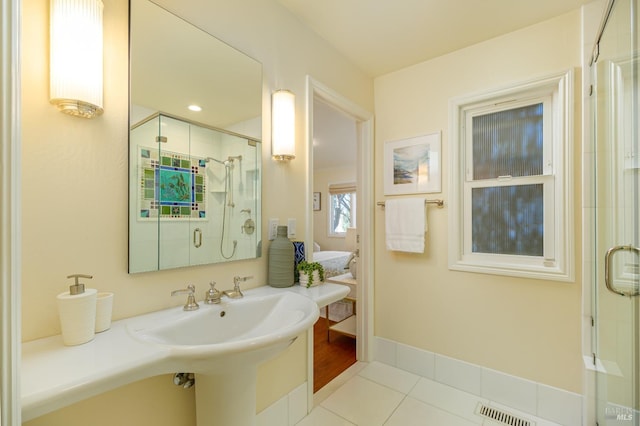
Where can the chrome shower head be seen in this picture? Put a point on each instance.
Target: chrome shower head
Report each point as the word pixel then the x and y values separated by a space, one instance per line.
pixel 216 160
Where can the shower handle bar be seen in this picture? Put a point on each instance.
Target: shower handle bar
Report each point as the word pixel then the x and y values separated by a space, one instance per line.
pixel 197 237
pixel 607 270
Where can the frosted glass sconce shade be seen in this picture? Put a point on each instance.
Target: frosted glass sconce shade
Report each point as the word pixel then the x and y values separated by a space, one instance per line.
pixel 283 125
pixel 76 57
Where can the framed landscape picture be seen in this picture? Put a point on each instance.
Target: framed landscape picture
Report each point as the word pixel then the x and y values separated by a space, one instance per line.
pixel 413 165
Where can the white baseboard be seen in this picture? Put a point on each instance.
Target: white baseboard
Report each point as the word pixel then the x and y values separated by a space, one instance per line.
pixel 540 400
pixel 547 402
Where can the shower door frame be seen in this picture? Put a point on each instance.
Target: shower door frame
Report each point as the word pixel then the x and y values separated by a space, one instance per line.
pixel 10 214
pixel 615 228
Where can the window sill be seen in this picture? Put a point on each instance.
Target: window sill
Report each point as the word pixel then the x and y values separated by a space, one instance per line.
pixel 512 270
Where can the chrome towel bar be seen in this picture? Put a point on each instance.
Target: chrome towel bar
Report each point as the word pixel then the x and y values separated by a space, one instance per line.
pixel 439 203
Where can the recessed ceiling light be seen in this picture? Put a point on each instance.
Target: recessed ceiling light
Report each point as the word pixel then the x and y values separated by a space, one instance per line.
pixel 195 108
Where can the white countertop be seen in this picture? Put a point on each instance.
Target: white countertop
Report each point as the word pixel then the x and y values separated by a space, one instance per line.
pixel 54 376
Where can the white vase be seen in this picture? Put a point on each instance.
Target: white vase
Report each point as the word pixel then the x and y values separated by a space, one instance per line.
pixel 353 268
pixel 304 279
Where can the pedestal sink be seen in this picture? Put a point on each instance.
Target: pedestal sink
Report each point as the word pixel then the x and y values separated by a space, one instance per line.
pixel 223 344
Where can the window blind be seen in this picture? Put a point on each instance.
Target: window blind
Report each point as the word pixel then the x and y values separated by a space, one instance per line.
pixel 342 188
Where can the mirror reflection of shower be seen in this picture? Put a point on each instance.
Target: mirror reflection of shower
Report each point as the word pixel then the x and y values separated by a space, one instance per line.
pixel 228 197
pixel 228 186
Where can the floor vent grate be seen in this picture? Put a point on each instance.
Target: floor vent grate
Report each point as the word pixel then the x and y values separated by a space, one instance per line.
pixel 502 416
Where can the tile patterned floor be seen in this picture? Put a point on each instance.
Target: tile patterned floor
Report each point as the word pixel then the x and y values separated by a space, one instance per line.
pixel 376 394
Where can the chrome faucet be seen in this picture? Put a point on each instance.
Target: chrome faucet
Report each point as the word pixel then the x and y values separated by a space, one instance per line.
pixel 191 304
pixel 236 293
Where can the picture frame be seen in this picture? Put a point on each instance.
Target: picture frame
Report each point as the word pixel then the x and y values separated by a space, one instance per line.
pixel 413 165
pixel 317 201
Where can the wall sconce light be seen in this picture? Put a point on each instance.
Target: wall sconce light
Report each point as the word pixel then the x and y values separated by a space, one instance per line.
pixel 76 57
pixel 283 125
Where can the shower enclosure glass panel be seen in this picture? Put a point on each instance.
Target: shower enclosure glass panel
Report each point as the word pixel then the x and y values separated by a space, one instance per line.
pixel 617 218
pixel 194 195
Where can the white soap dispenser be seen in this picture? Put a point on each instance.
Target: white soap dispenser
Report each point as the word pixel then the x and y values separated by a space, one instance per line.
pixel 77 310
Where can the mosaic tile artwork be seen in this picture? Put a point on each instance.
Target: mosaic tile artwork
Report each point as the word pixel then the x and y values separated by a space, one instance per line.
pixel 172 186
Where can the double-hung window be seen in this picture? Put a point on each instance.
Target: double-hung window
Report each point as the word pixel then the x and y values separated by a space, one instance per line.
pixel 510 173
pixel 342 208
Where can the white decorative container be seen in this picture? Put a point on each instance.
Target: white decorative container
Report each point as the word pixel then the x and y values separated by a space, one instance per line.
pixel 304 279
pixel 77 316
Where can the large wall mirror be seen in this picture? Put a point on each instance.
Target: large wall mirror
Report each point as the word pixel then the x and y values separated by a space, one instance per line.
pixel 194 145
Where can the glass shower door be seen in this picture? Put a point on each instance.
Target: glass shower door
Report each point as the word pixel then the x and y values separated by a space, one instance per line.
pixel 617 218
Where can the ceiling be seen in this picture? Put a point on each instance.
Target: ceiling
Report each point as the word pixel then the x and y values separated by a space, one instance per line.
pixel 334 137
pixel 382 36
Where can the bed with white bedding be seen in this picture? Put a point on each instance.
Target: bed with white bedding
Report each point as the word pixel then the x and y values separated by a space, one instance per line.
pixel 334 262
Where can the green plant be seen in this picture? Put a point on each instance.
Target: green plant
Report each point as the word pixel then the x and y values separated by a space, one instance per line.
pixel 308 268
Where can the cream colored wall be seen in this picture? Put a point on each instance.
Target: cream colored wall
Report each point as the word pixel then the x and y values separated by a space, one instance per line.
pixel 133 404
pixel 321 180
pixel 529 328
pixel 74 184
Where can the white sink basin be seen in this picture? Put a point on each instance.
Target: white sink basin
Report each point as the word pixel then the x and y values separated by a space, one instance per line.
pixel 247 330
pixel 223 344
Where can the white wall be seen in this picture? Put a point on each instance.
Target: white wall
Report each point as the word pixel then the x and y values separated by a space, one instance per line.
pixel 524 327
pixel 74 183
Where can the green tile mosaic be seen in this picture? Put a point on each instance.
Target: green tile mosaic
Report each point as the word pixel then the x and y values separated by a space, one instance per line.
pixel 173 186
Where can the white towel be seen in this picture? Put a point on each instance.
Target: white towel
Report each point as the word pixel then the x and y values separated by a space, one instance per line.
pixel 405 224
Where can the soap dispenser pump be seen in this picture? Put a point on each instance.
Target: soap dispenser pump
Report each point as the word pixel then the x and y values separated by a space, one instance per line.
pixel 78 287
pixel 77 310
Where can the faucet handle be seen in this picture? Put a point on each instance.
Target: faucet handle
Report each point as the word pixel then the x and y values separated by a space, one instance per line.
pixel 191 289
pixel 213 295
pixel 237 279
pixel 236 292
pixel 191 304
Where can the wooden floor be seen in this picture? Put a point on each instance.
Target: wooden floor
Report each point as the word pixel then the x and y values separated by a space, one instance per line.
pixel 330 358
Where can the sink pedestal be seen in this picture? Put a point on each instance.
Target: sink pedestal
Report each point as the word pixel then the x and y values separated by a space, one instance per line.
pixel 227 398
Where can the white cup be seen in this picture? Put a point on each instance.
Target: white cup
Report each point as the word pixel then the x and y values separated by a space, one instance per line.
pixel 104 307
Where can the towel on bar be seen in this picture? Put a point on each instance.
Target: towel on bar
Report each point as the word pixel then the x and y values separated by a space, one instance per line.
pixel 405 224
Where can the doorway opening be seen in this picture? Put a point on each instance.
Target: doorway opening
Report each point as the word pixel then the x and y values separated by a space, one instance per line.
pixel 334 170
pixel 340 177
